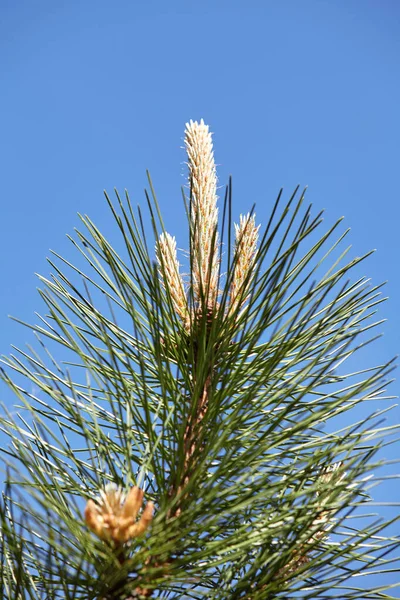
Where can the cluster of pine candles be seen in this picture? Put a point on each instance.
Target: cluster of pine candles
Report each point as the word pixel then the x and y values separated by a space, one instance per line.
pixel 113 516
pixel 241 492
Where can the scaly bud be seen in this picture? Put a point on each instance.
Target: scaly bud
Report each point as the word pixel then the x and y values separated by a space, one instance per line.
pixel 113 515
pixel 204 212
pixel 244 261
pixel 168 268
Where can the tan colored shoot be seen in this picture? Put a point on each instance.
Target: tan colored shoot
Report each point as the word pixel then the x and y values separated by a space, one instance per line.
pixel 204 212
pixel 168 268
pixel 113 516
pixel 320 526
pixel 246 238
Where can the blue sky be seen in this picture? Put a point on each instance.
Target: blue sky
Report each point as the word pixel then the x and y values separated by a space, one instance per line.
pixel 95 92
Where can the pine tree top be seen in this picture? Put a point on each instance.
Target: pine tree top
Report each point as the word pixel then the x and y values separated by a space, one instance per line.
pixel 196 436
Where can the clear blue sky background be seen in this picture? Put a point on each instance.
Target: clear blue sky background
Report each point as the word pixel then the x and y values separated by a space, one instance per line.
pixel 297 91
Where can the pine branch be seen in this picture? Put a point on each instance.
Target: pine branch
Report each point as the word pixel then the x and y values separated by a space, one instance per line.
pixel 192 436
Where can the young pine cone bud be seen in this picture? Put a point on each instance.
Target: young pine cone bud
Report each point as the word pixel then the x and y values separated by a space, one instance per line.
pixel 113 515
